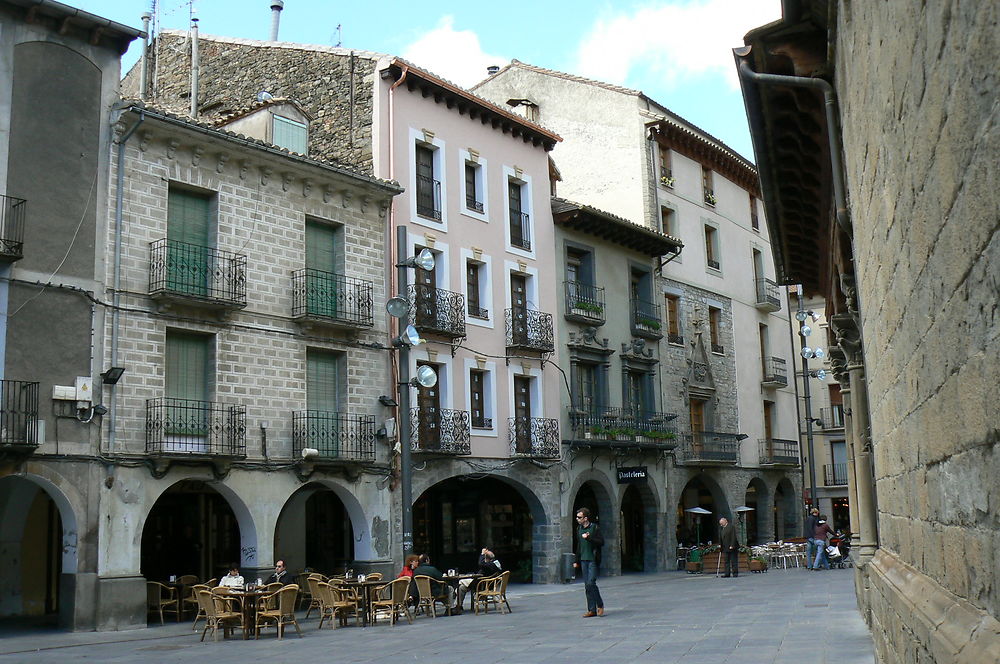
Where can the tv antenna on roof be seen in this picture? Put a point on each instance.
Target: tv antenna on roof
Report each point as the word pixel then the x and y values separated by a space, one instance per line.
pixel 339 36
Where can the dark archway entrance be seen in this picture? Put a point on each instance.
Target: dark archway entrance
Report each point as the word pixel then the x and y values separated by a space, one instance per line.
pixel 693 528
pixel 785 511
pixel 314 531
pixel 454 519
pixel 32 556
pixel 754 497
pixel 632 531
pixel 190 530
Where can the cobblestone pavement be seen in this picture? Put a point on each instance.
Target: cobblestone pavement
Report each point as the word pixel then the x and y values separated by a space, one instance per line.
pixel 781 617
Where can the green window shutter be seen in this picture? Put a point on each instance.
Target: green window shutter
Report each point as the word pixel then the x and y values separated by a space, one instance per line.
pixel 322 380
pixel 188 264
pixel 321 247
pixel 290 135
pixel 188 217
pixel 323 290
pixel 187 370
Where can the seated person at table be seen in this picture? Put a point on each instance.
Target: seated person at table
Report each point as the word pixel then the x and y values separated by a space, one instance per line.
pixel 233 579
pixel 439 586
pixel 281 575
pixel 408 566
pixel 489 567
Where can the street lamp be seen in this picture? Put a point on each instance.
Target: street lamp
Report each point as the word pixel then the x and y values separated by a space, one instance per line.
pixel 807 352
pixel 409 336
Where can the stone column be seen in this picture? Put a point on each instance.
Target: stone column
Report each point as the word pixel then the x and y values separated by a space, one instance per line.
pixel 838 363
pixel 849 338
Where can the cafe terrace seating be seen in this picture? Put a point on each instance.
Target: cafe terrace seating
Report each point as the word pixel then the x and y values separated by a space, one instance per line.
pixel 284 614
pixel 337 604
pixel 217 614
pixel 161 598
pixel 201 611
pixel 428 599
pixel 492 590
pixel 392 598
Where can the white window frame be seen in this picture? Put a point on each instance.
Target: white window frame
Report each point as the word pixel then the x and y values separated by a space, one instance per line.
pixel 716 245
pixel 441 259
pixel 527 205
pixel 532 274
pixel 489 395
pixel 418 136
pixel 485 288
pixel 537 396
pixel 444 371
pixel 465 157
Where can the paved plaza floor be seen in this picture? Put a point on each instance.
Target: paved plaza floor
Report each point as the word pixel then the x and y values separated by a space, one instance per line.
pixel 781 617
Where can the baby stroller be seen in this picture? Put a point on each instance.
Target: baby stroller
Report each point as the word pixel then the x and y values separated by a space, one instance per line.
pixel 839 551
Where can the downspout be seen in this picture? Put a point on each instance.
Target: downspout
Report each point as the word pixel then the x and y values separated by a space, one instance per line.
pixel 830 102
pixel 115 296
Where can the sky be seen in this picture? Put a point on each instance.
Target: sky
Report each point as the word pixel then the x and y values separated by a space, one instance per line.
pixel 678 52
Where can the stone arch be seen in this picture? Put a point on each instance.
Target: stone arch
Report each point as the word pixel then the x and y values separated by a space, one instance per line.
pixel 693 494
pixel 785 509
pixel 758 523
pixel 649 496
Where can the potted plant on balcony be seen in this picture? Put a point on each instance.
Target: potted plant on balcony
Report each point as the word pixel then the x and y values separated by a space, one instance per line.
pixel 648 323
pixel 667 181
pixel 710 198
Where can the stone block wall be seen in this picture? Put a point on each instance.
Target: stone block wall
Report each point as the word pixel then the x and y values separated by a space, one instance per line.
pixel 921 139
pixel 334 85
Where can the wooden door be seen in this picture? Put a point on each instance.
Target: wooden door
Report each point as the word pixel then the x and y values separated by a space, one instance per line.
pixel 697 412
pixel 522 414
pixel 428 414
pixel 426 295
pixel 519 308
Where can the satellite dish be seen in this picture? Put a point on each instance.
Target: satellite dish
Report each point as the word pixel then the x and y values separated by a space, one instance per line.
pixel 264 95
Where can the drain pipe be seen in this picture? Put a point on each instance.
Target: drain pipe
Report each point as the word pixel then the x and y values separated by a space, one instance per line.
pixel 144 69
pixel 830 101
pixel 194 67
pixel 116 297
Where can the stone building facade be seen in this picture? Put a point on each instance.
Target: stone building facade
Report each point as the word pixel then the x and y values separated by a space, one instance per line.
pixel 898 169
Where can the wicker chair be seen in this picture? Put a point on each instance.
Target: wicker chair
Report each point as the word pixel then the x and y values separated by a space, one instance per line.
pixel 428 599
pixel 281 616
pixel 162 599
pixel 492 591
pixel 374 576
pixel 217 614
pixel 312 596
pixel 392 598
pixel 194 596
pixel 337 604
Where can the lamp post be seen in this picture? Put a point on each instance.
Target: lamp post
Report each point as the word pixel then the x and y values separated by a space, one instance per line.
pixel 806 352
pixel 398 307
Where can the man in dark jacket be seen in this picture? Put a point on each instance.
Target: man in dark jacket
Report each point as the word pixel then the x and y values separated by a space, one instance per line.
pixel 489 567
pixel 808 531
pixel 590 542
pixel 730 547
pixel 438 586
pixel 281 575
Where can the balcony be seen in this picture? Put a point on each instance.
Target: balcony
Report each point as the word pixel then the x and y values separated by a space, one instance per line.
pixel 709 197
pixel 778 452
pixel 584 303
pixel 428 197
pixel 331 300
pixel 676 339
pixel 478 312
pixel 529 330
pixel 520 229
pixel 768 295
pixel 709 448
pixel 18 416
pixel 437 311
pixel 718 349
pixel 337 436
pixel 835 474
pixel 622 427
pixel 440 430
pixel 472 204
pixel 12 214
pixel 645 319
pixel 533 437
pixel 833 417
pixel 200 276
pixel 185 427
pixel 775 372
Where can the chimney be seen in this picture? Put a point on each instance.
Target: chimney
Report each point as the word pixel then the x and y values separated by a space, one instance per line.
pixel 276 7
pixel 492 69
pixel 144 68
pixel 194 67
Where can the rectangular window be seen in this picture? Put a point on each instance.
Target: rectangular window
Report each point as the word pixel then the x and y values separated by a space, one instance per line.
pixel 428 186
pixel 323 380
pixel 714 324
pixel 473 195
pixel 673 303
pixel 477 397
pixel 291 135
pixel 473 288
pixel 586 388
pixel 189 229
pixel 519 228
pixel 637 393
pixel 707 186
pixel 712 247
pixel 666 170
pixel 754 220
pixel 668 221
pixel 187 370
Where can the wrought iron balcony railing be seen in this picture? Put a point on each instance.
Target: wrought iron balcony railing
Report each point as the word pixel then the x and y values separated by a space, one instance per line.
pixel 775 372
pixel 520 229
pixel 530 330
pixel 12 214
pixel 710 448
pixel 482 422
pixel 533 437
pixel 646 319
pixel 178 270
pixel 196 428
pixel 472 204
pixel 479 312
pixel 718 348
pixel 18 414
pixel 334 435
pixel 778 452
pixel 675 338
pixel 437 311
pixel 833 417
pixel 584 302
pixel 628 425
pixel 331 298
pixel 428 197
pixel 768 295
pixel 440 430
pixel 835 474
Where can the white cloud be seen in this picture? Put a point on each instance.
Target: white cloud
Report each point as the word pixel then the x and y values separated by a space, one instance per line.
pixel 454 54
pixel 676 41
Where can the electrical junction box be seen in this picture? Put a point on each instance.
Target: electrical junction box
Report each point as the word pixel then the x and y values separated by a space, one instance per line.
pixel 84 388
pixel 63 393
pixel 390 428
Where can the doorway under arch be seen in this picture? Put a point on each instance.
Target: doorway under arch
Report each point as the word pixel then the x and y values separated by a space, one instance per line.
pixel 694 528
pixel 755 497
pixel 632 529
pixel 785 510
pixel 38 553
pixel 314 531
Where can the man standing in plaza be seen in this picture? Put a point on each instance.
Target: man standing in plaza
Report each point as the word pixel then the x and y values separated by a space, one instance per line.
pixel 730 547
pixel 590 542
pixel 808 531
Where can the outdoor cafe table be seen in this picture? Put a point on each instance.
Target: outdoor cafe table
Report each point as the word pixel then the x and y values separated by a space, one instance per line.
pixel 366 589
pixel 453 579
pixel 248 604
